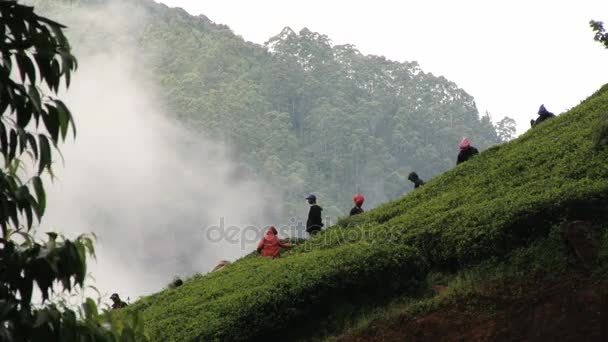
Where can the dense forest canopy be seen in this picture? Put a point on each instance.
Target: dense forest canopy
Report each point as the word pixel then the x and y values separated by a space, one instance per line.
pixel 300 112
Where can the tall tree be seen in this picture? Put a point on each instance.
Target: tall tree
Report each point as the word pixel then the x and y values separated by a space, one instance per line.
pixel 506 129
pixel 35 57
pixel 600 33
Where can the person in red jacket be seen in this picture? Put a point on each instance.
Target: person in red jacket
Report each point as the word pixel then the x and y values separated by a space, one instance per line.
pixel 270 246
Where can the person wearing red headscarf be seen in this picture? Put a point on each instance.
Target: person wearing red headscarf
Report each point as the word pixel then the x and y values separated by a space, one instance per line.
pixel 358 199
pixel 271 245
pixel 466 151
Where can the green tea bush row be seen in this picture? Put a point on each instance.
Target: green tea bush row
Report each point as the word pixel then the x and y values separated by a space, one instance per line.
pixel 256 296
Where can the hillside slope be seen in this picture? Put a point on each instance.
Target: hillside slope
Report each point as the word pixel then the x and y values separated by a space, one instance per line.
pixel 509 197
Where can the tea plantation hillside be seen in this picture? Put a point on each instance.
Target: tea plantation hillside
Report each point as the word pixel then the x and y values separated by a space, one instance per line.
pixel 508 197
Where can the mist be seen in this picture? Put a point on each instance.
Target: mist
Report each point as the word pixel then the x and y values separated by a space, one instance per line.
pixel 149 188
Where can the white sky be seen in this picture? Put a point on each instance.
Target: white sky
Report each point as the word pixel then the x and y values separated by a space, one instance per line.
pixel 511 56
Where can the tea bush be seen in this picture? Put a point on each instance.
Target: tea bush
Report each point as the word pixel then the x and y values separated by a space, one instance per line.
pixel 265 293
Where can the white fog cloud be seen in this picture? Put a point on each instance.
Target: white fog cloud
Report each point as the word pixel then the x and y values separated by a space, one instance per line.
pixel 145 186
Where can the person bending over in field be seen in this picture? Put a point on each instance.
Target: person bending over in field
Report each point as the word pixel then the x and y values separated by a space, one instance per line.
pixel 413 177
pixel 271 245
pixel 543 114
pixel 357 209
pixel 466 151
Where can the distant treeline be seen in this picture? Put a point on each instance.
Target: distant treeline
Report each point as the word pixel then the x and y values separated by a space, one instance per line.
pixel 300 112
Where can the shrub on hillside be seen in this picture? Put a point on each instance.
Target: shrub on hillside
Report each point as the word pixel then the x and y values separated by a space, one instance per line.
pixel 600 137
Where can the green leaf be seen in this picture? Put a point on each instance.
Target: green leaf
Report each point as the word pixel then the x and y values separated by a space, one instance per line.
pixel 30 69
pixel 26 291
pixel 45 153
pixel 12 145
pixel 7 63
pixel 14 167
pixel 51 121
pixel 90 309
pixel 44 66
pixel 68 64
pixel 65 117
pixel 21 194
pixel 24 117
pixel 20 56
pixel 40 196
pixel 56 75
pixel 34 96
pixel 28 215
pixel 3 141
pixel 82 254
pixel 26 67
pixel 33 144
pixel 22 140
pixel 88 243
pixel 4 100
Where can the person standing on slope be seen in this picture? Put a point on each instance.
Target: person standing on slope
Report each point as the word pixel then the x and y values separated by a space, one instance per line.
pixel 413 177
pixel 543 114
pixel 358 199
pixel 271 245
pixel 466 151
pixel 314 223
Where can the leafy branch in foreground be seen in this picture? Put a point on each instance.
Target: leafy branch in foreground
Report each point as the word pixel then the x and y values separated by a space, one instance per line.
pixel 35 58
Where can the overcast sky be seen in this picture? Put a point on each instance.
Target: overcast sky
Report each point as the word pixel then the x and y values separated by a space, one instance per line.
pixel 511 56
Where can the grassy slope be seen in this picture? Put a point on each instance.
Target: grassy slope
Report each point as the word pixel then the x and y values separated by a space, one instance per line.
pixel 506 198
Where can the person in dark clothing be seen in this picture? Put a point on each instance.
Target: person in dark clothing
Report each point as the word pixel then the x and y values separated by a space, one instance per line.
pixel 466 151
pixel 357 209
pixel 314 223
pixel 117 303
pixel 543 114
pixel 413 177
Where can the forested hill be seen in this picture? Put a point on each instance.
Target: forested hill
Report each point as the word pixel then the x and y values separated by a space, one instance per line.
pixel 308 115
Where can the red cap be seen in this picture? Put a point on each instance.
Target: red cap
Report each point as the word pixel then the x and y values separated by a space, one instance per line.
pixel 359 199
